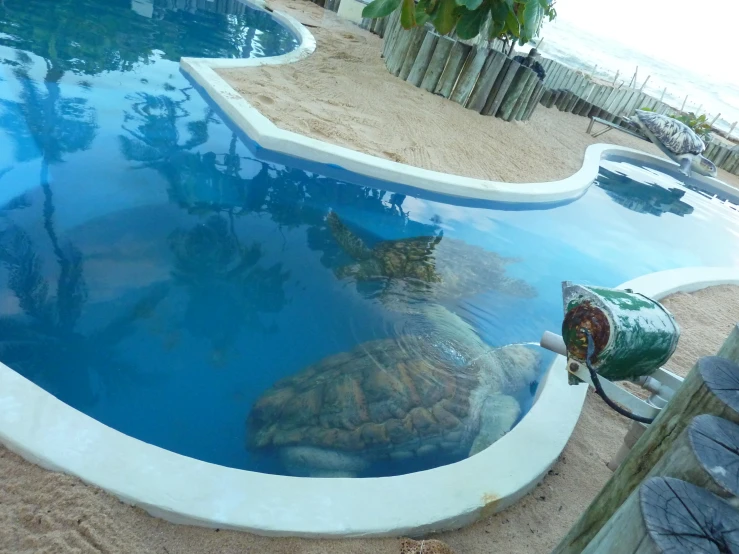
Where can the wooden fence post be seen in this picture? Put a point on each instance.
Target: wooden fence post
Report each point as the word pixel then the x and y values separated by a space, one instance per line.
pixel 417 36
pixel 517 77
pixel 534 101
pixel 457 57
pixel 712 387
pixel 488 75
pixel 415 77
pixel 667 515
pixel 437 64
pixel 532 79
pixel 468 76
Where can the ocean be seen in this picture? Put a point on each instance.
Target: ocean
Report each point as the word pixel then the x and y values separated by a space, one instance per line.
pixel 708 92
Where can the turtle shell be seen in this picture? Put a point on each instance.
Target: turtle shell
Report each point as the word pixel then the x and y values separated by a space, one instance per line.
pixel 382 399
pixel 434 266
pixel 674 135
pixel 437 267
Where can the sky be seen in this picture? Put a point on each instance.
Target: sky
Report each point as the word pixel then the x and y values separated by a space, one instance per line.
pixel 701 35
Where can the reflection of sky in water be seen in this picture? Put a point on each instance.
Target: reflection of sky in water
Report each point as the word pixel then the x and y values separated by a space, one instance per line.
pixel 186 271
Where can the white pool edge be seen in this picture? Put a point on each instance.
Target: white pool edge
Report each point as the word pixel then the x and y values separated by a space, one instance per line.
pixel 46 431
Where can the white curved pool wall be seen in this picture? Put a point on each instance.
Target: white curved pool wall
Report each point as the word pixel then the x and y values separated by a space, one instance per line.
pixel 48 432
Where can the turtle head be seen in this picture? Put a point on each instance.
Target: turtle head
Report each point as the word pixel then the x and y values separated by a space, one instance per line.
pixel 704 166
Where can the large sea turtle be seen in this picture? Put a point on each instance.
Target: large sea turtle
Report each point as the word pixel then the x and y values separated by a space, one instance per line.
pixel 438 389
pixel 677 140
pixel 430 267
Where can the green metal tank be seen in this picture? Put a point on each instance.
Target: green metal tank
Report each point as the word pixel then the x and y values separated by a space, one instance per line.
pixel 633 334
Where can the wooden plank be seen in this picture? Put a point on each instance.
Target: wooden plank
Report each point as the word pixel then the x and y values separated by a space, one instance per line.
pixel 564 76
pixel 514 92
pixel 722 155
pixel 469 75
pixel 488 76
pixel 732 162
pixel 491 105
pixel 415 77
pixel 584 109
pixel 400 50
pixel 437 64
pixel 546 95
pixel 381 27
pixel 563 100
pixel 457 58
pixel 711 150
pixel 571 80
pixel 419 33
pixel 575 94
pixel 556 71
pixel 392 35
pixel 711 387
pixel 621 104
pixel 501 87
pixel 563 79
pixel 669 515
pixel 523 102
pixel 556 94
pixel 613 104
pixel 536 104
pixel 534 100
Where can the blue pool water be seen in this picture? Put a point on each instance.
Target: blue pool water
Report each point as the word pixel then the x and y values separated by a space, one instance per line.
pixel 161 273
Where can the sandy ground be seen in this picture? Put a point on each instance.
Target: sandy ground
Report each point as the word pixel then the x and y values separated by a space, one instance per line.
pixel 43 512
pixel 343 94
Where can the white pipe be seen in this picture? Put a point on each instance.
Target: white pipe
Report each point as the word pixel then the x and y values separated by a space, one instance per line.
pixel 553 342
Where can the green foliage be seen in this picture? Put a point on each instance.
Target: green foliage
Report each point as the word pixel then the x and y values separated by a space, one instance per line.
pixel 512 20
pixel 698 123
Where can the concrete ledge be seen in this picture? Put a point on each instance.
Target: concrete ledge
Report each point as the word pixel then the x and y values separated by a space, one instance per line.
pixel 46 431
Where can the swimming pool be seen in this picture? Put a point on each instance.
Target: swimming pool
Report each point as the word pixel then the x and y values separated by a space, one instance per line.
pixel 161 276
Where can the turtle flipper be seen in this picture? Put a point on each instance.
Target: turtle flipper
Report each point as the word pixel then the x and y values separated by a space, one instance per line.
pixel 351 243
pixel 685 166
pixel 311 461
pixel 498 415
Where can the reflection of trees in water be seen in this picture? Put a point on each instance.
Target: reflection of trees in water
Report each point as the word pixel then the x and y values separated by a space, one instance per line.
pixel 44 339
pixel 642 197
pixel 153 135
pixel 227 289
pixel 44 124
pixel 92 36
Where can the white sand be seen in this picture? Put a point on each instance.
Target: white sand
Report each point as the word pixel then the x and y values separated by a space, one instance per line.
pixel 343 94
pixel 44 512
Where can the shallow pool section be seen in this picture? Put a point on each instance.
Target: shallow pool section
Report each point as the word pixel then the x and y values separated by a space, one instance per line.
pixel 163 275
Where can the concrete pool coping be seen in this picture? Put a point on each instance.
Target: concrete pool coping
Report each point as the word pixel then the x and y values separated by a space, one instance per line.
pixel 44 430
pixel 272 138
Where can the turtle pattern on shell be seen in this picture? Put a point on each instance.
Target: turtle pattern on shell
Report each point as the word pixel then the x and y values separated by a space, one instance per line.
pixel 674 135
pixel 397 398
pixel 427 267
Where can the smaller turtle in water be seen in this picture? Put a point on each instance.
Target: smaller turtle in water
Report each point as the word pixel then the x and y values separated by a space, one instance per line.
pixel 437 390
pixel 426 268
pixel 678 141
